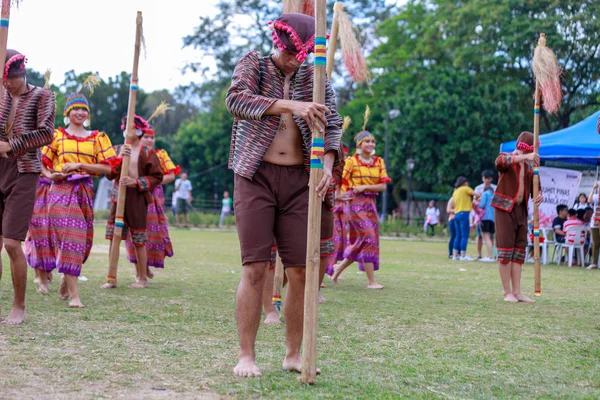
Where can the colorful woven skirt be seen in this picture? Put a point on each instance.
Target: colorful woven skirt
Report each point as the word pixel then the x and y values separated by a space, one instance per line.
pixel 71 215
pixel 159 244
pixel 38 246
pixel 340 235
pixel 363 230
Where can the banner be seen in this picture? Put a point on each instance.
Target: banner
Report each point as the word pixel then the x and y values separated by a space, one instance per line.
pixel 559 186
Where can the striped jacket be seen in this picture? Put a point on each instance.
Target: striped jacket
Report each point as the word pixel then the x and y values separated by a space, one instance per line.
pixel 32 128
pixel 255 86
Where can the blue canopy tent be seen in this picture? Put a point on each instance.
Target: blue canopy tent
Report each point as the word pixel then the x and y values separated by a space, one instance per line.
pixel 577 144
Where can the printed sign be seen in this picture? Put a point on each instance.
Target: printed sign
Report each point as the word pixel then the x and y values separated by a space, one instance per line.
pixel 559 186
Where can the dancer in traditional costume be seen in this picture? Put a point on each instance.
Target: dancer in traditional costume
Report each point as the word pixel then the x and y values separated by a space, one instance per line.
pixel 271 100
pixel 515 186
pixel 26 124
pixel 340 222
pixel 145 174
pixel 159 244
pixel 365 176
pixel 70 161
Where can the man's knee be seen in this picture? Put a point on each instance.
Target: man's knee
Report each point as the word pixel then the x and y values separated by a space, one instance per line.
pixel 13 247
pixel 255 273
pixel 296 275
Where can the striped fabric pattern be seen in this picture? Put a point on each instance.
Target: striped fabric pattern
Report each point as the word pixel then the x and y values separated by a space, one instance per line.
pixel 255 86
pixel 357 173
pixel 32 128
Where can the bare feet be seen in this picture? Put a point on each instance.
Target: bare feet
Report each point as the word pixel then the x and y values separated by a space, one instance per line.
pixel 63 291
pixel 43 289
pixel 149 273
pixel 75 303
pixel 336 274
pixel 509 297
pixel 592 266
pixel 139 285
pixel 375 286
pixel 272 318
pixel 109 285
pixel 247 368
pixel 16 317
pixel 321 298
pixel 49 276
pixel 323 286
pixel 294 364
pixel 523 299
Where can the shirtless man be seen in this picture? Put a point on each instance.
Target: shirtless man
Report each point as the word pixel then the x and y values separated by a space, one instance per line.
pixel 145 173
pixel 271 100
pixel 26 124
pixel 515 186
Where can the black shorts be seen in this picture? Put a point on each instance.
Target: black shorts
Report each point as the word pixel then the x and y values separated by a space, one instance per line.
pixel 488 227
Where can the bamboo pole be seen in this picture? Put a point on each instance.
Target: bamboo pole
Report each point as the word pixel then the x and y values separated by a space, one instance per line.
pixel 4 22
pixel 333 38
pixel 278 283
pixel 313 256
pixel 537 270
pixel 130 129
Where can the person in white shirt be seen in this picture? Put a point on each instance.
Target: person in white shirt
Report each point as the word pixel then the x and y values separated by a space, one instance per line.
pixel 183 190
pixel 487 177
pixel 432 217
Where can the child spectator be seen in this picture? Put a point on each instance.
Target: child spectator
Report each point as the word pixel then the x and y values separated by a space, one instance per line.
pixel 581 203
pixel 432 216
pixel 572 222
pixel 487 222
pixel 558 223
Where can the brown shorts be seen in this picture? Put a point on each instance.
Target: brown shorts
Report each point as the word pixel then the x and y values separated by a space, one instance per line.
pixel 135 218
pixel 274 204
pixel 511 234
pixel 17 198
pixel 327 246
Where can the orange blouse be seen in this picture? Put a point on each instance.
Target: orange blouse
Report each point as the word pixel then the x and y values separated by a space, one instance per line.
pixel 167 165
pixel 358 173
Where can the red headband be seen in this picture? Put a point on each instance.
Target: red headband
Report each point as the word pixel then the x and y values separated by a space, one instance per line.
pixel 11 61
pixel 525 147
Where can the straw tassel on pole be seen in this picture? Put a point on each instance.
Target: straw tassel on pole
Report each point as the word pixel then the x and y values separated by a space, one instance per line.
pixel 130 129
pixel 333 39
pixel 313 256
pixel 548 92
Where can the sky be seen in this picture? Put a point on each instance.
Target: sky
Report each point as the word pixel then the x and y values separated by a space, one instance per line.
pixel 99 36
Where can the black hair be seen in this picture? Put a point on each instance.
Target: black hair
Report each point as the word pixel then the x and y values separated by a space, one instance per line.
pixel 572 212
pixel 487 173
pixel 578 196
pixel 460 181
pixel 561 207
pixel 580 213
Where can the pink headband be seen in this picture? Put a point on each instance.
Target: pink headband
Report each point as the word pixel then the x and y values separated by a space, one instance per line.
pixel 303 49
pixel 11 61
pixel 138 123
pixel 525 147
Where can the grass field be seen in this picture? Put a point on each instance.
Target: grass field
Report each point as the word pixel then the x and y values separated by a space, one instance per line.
pixel 438 330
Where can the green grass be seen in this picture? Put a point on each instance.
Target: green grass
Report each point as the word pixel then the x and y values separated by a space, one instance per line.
pixel 438 330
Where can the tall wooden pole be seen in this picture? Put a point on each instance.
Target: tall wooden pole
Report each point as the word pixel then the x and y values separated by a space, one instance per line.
pixel 537 271
pixel 4 21
pixel 130 129
pixel 313 256
pixel 333 38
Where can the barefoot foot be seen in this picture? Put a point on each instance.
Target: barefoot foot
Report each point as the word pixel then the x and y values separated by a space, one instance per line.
pixel 247 368
pixel 16 317
pixel 509 297
pixel 149 273
pixel 375 286
pixel 49 276
pixel 139 285
pixel 63 291
pixel 272 318
pixel 75 303
pixel 294 364
pixel 109 285
pixel 523 299
pixel 336 274
pixel 322 299
pixel 43 288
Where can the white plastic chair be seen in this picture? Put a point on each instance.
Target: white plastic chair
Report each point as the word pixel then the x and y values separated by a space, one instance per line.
pixel 576 232
pixel 543 247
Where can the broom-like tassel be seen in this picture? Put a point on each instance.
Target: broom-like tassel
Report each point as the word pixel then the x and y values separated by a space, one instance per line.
pixel 90 83
pixel 47 79
pixel 352 53
pixel 161 109
pixel 346 124
pixel 547 74
pixel 299 6
pixel 366 117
